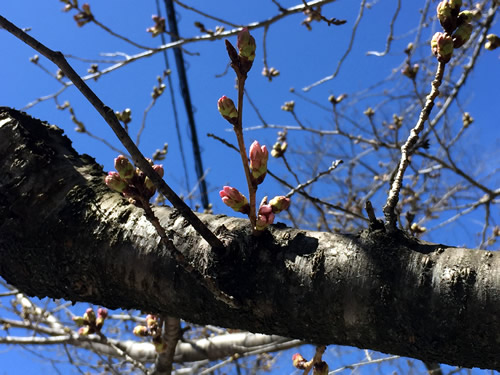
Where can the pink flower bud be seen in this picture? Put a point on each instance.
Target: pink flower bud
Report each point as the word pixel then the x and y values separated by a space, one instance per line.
pixel 85 331
pixel 258 162
pixel 299 361
pixel 124 168
pixel 227 109
pixel 442 47
pixel 115 183
pixel 158 168
pixel 234 199
pixel 102 312
pixel 265 217
pixel 246 45
pixel 279 204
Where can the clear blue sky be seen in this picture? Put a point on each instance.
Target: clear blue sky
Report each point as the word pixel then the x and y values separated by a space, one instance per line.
pixel 302 57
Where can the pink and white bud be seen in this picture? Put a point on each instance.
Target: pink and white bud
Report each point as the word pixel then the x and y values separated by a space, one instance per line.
pixel 279 203
pixel 298 361
pixel 227 109
pixel 265 217
pixel 442 46
pixel 158 168
pixel 258 162
pixel 85 331
pixel 102 312
pixel 246 45
pixel 124 168
pixel 234 199
pixel 89 316
pixel 115 183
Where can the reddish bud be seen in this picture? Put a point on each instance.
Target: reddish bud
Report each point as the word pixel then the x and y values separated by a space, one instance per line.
pixel 265 217
pixel 258 162
pixel 85 331
pixel 115 183
pixel 102 312
pixel 234 199
pixel 279 204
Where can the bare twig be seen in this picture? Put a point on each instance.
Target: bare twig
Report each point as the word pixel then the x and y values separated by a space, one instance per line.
pixel 110 117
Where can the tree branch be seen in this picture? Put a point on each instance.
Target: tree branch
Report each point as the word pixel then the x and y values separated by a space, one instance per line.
pixel 63 234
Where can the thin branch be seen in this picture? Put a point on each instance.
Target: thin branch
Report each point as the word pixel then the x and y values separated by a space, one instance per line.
pixel 110 117
pixel 390 37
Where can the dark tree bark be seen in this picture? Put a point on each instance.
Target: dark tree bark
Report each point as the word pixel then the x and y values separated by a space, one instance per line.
pixel 64 234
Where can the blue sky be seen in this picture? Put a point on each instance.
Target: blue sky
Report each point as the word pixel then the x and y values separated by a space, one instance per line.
pixel 302 57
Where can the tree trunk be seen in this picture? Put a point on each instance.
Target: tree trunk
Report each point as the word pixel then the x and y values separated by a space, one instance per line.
pixel 64 234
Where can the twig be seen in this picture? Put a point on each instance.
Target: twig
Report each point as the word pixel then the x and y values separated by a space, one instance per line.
pixel 390 37
pixel 406 150
pixel 110 117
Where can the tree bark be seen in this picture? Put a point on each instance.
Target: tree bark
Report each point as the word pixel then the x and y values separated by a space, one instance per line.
pixel 64 234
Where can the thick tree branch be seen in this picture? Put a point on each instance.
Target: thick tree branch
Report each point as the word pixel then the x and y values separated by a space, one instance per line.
pixel 63 234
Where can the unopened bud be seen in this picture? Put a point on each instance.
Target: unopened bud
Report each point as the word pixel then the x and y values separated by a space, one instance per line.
pixel 265 216
pixel 246 45
pixel 227 109
pixel 279 204
pixel 79 320
pixel 299 362
pixel 124 168
pixel 442 47
pixel 279 149
pixel 115 183
pixel 493 42
pixel 84 331
pixel 234 199
pixel 462 35
pixel 258 157
pixel 89 315
pixel 447 13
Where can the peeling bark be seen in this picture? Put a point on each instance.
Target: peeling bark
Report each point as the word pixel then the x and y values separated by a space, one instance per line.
pixel 64 234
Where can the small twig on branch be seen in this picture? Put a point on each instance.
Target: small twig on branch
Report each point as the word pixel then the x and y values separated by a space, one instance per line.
pixel 393 198
pixel 109 116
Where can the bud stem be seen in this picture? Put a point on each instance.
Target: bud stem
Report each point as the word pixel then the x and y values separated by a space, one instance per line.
pixel 238 129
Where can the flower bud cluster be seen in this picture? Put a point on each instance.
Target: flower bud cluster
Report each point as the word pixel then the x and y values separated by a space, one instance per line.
pixel 152 329
pixel 457 29
pixel 84 16
pixel 279 148
pixel 89 323
pixel 131 181
pixel 159 26
pixel 267 211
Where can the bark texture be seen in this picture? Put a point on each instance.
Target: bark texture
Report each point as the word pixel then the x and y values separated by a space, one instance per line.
pixel 64 234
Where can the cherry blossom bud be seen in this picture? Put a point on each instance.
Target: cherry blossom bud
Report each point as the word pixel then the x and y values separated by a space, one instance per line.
pixel 493 42
pixel 99 322
pixel 158 168
pixel 124 168
pixel 89 315
pixel 227 109
pixel 442 47
pixel 258 162
pixel 101 311
pixel 462 35
pixel 140 331
pixel 234 199
pixel 279 149
pixel 79 320
pixel 298 361
pixel 279 204
pixel 246 45
pixel 447 13
pixel 265 216
pixel 114 182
